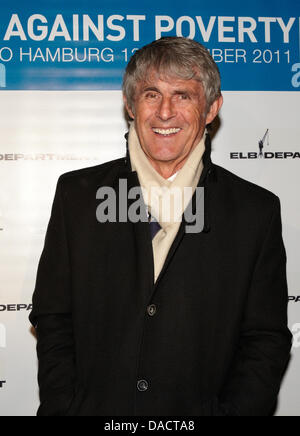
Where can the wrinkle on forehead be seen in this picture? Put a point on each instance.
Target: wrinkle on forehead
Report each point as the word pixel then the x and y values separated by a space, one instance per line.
pixel 169 76
pixel 153 79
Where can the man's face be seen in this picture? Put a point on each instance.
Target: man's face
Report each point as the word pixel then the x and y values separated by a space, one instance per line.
pixel 170 117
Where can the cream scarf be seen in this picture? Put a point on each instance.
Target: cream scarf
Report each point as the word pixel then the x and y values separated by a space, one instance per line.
pixel 166 200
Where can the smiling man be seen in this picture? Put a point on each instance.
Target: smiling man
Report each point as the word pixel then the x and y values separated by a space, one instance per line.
pixel 171 116
pixel 169 97
pixel 143 318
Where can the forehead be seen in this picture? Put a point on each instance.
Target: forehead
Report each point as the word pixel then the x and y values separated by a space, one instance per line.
pixel 166 82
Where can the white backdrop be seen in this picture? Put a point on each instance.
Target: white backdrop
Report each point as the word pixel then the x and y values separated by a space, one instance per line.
pixel 91 126
pixel 45 133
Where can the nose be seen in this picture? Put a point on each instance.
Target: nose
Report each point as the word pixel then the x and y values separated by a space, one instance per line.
pixel 166 109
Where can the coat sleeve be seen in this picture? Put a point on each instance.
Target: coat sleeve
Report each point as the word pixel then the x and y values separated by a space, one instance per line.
pixel 265 342
pixel 51 317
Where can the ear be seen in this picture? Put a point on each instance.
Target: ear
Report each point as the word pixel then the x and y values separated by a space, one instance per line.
pixel 214 110
pixel 129 111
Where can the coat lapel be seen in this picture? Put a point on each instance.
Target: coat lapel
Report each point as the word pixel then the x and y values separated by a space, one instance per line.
pixel 141 234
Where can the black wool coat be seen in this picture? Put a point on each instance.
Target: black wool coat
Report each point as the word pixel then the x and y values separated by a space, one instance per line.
pixel 209 338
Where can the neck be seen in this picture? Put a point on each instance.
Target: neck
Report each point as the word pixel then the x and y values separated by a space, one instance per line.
pixel 166 169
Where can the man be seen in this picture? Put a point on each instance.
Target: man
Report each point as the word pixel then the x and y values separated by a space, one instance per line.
pixel 147 319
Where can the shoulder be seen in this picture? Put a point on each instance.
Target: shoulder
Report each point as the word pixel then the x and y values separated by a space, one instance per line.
pixel 91 176
pixel 243 195
pixel 227 179
pixel 94 171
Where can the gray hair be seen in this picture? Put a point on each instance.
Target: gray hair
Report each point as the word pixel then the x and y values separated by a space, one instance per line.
pixel 173 56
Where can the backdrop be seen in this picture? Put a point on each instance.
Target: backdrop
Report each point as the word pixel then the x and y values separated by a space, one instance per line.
pixel 61 66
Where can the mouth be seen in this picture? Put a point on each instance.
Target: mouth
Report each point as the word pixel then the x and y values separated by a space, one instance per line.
pixel 166 132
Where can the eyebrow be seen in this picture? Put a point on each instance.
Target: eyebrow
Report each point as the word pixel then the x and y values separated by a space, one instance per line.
pixel 176 92
pixel 151 88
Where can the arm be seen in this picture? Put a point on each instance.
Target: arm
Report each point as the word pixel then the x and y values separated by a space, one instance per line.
pixel 51 316
pixel 263 352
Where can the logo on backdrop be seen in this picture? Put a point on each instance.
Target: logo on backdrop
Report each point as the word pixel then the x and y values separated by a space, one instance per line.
pixel 45 157
pixel 294 298
pixel 296 76
pixel 2 76
pixel 263 145
pixel 15 307
pixel 42 42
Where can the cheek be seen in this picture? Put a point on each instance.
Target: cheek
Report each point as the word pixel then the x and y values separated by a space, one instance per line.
pixel 143 115
pixel 195 119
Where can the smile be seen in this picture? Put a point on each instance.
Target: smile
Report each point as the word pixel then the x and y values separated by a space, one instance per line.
pixel 166 132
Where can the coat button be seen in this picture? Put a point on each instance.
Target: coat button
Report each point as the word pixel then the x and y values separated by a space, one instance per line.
pixel 142 385
pixel 151 309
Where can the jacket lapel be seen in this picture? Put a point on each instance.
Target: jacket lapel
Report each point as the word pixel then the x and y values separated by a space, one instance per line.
pixel 141 232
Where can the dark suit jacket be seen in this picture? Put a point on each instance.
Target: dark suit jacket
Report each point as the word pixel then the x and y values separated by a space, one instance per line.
pixel 218 342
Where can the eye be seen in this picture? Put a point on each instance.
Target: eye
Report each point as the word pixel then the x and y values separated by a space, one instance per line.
pixel 183 97
pixel 151 95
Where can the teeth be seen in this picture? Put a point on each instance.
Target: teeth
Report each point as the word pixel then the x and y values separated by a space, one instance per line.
pixel 166 131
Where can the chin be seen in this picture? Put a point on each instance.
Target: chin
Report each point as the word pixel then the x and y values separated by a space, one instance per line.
pixel 164 157
pixel 164 153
